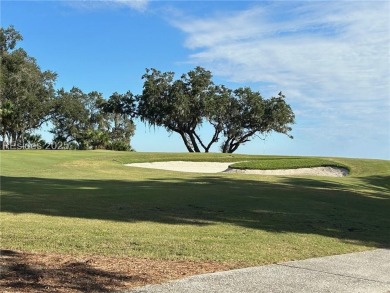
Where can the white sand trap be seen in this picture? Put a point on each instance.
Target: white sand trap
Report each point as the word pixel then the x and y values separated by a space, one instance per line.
pixel 181 166
pixel 216 167
pixel 315 171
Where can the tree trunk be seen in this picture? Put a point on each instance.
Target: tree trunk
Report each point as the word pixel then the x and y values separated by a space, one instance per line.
pixel 225 147
pixel 22 137
pixel 14 138
pixel 186 142
pixel 213 140
pixel 233 148
pixel 9 140
pixel 193 141
pixel 229 146
pixel 3 142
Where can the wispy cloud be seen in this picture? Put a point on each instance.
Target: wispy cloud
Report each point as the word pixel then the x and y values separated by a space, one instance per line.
pixel 139 5
pixel 330 58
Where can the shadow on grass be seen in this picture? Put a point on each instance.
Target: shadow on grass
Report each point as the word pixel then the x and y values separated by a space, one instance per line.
pixel 313 206
pixel 379 183
pixel 25 273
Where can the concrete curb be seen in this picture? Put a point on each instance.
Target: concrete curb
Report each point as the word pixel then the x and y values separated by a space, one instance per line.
pixel 363 272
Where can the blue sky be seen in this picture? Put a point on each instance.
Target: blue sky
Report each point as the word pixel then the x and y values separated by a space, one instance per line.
pixel 330 58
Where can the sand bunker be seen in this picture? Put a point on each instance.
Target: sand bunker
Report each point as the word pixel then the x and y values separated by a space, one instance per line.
pixel 316 171
pixel 216 167
pixel 181 166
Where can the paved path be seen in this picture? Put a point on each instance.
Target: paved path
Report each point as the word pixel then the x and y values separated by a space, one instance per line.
pixel 363 272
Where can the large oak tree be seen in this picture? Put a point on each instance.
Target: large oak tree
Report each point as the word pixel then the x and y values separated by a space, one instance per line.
pixel 26 92
pixel 90 121
pixel 248 114
pixel 183 105
pixel 119 111
pixel 177 105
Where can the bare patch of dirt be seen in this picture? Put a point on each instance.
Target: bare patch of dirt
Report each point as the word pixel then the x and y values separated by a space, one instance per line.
pixel 43 272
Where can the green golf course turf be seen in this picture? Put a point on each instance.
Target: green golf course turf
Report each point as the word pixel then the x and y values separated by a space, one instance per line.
pixel 88 202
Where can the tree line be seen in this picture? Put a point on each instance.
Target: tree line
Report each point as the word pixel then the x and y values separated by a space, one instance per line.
pixel 28 100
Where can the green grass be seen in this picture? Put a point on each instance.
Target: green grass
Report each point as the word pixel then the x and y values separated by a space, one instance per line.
pixel 88 202
pixel 286 163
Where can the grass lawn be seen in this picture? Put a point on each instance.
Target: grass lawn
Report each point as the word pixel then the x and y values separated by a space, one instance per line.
pixel 286 163
pixel 89 203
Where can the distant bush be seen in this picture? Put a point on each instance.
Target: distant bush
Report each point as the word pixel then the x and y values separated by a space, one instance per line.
pixel 119 146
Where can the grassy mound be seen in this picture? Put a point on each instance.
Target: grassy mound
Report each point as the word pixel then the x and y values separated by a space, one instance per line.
pixel 287 163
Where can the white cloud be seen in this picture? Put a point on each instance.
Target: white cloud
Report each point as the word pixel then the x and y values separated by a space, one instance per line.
pixel 136 4
pixel 331 59
pixel 139 5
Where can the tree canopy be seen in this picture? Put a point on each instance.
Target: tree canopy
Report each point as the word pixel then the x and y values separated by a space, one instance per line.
pixel 177 105
pixel 28 99
pixel 26 92
pixel 183 105
pixel 89 121
pixel 119 111
pixel 248 114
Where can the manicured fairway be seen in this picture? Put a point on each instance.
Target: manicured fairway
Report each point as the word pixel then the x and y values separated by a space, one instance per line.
pixel 88 202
